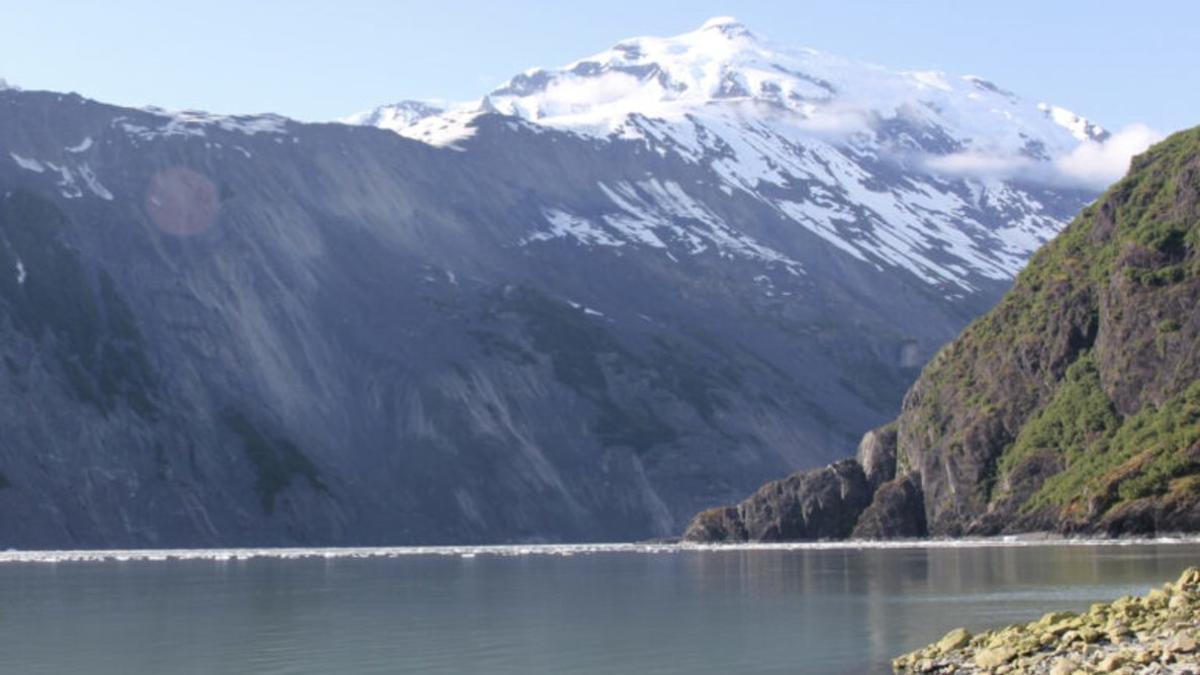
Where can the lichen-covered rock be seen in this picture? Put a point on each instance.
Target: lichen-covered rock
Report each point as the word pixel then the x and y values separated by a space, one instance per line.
pixel 877 455
pixel 1162 634
pixel 992 658
pixel 955 639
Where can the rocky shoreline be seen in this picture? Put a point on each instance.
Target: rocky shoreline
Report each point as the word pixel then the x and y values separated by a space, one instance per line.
pixel 1157 633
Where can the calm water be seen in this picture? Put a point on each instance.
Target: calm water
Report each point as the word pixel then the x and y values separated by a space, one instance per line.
pixel 732 611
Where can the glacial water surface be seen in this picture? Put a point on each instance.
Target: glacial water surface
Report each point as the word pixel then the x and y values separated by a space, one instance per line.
pixel 618 609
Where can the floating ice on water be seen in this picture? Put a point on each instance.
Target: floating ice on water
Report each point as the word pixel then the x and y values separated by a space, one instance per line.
pixel 561 550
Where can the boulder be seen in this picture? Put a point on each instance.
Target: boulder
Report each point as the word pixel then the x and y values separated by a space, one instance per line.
pixel 877 455
pixel 897 511
pixel 819 503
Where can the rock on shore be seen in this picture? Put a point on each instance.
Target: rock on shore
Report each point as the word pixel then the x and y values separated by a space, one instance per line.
pixel 816 504
pixel 1158 633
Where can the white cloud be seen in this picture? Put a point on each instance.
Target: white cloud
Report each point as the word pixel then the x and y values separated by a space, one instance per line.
pixel 1097 165
pixel 1091 164
pixel 978 164
pixel 835 121
pixel 574 95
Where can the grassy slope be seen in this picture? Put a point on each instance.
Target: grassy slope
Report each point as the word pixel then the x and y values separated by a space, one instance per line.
pixel 1088 366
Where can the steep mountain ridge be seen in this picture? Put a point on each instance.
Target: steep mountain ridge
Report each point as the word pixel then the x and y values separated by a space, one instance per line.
pixel 1073 406
pixel 322 333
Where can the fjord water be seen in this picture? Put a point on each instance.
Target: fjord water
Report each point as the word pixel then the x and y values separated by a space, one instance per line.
pixel 796 610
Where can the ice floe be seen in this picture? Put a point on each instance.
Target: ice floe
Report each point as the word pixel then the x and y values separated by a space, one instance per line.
pixel 563 550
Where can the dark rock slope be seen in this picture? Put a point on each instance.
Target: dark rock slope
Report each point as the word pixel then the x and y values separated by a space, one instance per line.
pixel 1073 406
pixel 816 504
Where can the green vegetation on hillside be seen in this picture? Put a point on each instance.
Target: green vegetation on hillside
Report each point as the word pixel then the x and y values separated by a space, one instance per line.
pixel 1142 457
pixel 1075 419
pixel 1081 386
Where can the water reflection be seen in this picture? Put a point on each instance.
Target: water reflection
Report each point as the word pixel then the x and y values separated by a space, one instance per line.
pixel 774 611
pixel 880 602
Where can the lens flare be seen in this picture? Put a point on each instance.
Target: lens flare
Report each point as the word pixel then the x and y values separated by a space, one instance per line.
pixel 181 201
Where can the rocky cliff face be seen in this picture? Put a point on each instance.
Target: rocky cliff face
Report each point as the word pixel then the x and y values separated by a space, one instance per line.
pixel 1074 405
pixel 816 504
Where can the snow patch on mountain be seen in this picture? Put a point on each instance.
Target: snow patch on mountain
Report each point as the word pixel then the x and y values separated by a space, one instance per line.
pixel 67 179
pixel 438 123
pixel 661 215
pixel 1080 127
pixel 446 129
pixel 82 146
pixel 563 225
pixel 27 163
pixel 193 123
pixel 397 116
pixel 93 183
pixel 66 183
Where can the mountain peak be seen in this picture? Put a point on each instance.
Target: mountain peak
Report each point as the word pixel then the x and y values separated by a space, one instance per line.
pixel 724 70
pixel 720 22
pixel 727 26
pixel 1080 127
pixel 397 116
pixel 740 86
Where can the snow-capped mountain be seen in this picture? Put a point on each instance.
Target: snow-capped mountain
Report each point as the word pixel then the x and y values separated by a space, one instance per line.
pixel 397 116
pixel 945 177
pixel 592 303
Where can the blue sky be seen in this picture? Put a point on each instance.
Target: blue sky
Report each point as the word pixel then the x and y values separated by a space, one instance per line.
pixel 1115 62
